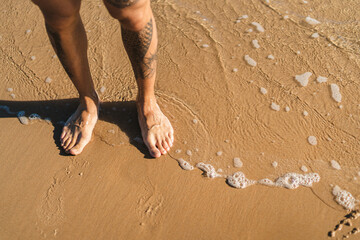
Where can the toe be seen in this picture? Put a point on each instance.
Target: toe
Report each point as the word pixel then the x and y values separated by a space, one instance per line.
pixel 73 141
pixel 171 136
pixel 64 139
pixel 154 151
pixel 169 142
pixel 165 145
pixel 64 131
pixel 67 143
pixel 79 147
pixel 160 147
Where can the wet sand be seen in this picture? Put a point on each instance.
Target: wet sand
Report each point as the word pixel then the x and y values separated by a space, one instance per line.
pixel 114 190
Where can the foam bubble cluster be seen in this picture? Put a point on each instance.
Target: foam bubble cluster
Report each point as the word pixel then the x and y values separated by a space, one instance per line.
pixel 22 118
pixel 321 79
pixel 185 165
pixel 344 198
pixel 312 140
pixel 335 165
pixel 303 79
pixel 250 61
pixel 238 180
pixel 208 169
pixel 255 43
pixel 275 106
pixel 335 92
pixel 294 180
pixel 258 26
pixel 263 90
pixel 237 162
pixel 311 21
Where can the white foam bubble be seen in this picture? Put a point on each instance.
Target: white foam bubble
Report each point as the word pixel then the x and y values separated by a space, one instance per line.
pixel 344 198
pixel 340 106
pixel 305 113
pixel 22 118
pixel 303 79
pixel 219 153
pixel 250 61
pixel 298 52
pixel 195 121
pixel 255 43
pixel 258 26
pixel 275 106
pixel 271 57
pixel 311 21
pixel 12 95
pixel 10 89
pixel 314 35
pixel 34 116
pixel 312 140
pixel 102 89
pixel 274 164
pixel 244 16
pixel 188 152
pixel 48 80
pixel 266 182
pixel 185 165
pixel 294 180
pixel 237 162
pixel 286 17
pixel 287 108
pixel 235 70
pixel 238 180
pixel 208 169
pixel 334 164
pixel 205 45
pixel 321 79
pixel 112 131
pixel 335 92
pixel 28 31
pixel 263 90
pixel 249 30
pixel 33 58
pixel 304 168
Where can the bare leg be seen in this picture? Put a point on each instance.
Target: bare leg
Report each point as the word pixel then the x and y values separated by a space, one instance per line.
pixel 139 34
pixel 68 38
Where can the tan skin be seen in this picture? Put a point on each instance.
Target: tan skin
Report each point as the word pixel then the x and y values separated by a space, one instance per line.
pixel 68 38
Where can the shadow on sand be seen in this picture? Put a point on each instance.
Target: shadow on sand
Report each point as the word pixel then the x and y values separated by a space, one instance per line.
pixel 58 111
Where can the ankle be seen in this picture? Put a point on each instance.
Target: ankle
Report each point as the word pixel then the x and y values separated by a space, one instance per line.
pixel 90 100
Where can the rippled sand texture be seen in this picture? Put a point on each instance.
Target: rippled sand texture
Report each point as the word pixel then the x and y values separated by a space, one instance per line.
pixel 263 89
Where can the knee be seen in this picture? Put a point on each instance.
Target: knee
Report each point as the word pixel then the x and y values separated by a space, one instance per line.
pixel 59 17
pixel 134 17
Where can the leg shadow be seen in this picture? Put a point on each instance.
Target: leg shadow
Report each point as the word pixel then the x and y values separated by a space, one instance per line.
pixel 56 112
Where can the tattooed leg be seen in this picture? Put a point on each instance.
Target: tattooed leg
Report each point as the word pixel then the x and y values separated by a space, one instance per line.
pixel 139 34
pixel 67 36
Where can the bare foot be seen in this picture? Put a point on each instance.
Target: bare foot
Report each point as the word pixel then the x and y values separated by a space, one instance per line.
pixel 156 129
pixel 78 129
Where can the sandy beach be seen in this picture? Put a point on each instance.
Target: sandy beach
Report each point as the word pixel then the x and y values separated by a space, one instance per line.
pixel 264 98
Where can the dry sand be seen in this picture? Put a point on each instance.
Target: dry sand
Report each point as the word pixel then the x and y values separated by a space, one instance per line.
pixel 113 190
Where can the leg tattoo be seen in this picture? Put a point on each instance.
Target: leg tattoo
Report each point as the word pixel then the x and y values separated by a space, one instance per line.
pixel 137 45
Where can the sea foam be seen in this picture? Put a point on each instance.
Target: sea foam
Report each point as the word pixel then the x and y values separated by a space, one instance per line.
pixel 344 198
